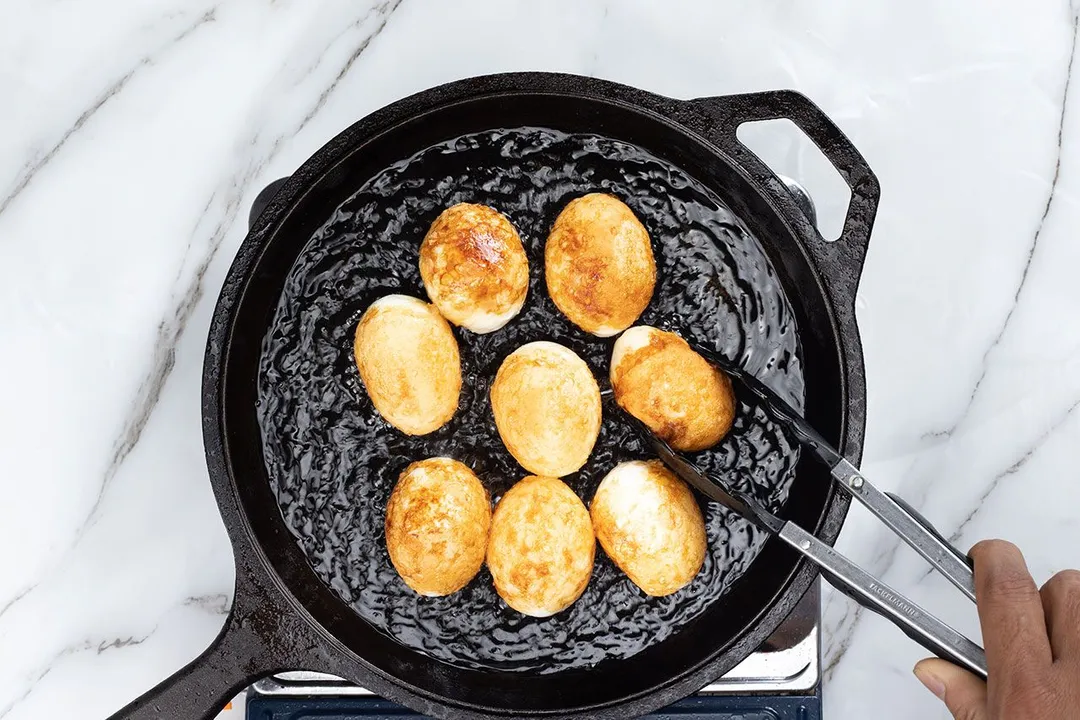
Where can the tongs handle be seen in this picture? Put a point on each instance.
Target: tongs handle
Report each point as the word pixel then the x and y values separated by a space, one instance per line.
pixel 871 593
pixel 912 527
pixel 896 514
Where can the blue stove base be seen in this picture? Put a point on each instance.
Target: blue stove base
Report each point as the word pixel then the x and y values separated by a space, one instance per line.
pixel 747 707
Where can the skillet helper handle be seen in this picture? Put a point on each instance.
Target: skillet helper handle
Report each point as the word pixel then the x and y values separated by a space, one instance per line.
pixel 912 527
pixel 834 145
pixel 840 261
pixel 922 627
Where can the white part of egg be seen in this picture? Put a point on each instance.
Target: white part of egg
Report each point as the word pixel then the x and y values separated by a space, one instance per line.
pixel 633 339
pixel 474 267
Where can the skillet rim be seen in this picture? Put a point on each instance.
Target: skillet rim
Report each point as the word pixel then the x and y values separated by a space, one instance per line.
pixel 682 116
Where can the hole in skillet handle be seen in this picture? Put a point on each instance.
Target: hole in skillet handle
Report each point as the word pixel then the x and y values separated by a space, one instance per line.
pixel 791 154
pixel 840 262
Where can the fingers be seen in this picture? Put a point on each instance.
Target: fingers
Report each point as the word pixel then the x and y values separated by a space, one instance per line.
pixel 1061 606
pixel 1011 614
pixel 963 693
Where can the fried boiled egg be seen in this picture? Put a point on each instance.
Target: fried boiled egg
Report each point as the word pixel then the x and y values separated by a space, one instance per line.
pixel 598 264
pixel 547 408
pixel 474 267
pixel 409 363
pixel 649 523
pixel 437 523
pixel 660 380
pixel 541 547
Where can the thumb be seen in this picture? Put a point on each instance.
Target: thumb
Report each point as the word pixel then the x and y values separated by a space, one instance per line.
pixel 963 693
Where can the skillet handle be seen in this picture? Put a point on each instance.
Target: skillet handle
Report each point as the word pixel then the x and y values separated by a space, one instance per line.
pixel 262 635
pixel 840 262
pixel 200 690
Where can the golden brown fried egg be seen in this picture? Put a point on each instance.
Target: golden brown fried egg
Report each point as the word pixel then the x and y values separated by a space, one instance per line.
pixel 474 267
pixel 660 380
pixel 409 363
pixel 650 525
pixel 541 547
pixel 437 523
pixel 547 408
pixel 599 266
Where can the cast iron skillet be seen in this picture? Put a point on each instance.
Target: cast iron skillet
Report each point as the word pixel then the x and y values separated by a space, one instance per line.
pixel 284 618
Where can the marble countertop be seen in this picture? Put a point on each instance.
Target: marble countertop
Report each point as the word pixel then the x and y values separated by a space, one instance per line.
pixel 135 136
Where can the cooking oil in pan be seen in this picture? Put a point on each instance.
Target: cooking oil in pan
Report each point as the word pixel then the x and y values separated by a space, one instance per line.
pixel 333 461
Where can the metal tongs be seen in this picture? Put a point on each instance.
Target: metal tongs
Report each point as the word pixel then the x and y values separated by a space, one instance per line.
pixel 842 573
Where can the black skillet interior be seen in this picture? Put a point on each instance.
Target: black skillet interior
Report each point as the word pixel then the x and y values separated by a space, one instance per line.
pixel 815 280
pixel 332 460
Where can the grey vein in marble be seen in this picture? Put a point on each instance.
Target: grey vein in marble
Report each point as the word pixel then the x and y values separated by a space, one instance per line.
pixel 1028 455
pixel 31 170
pixel 99 647
pixel 16 598
pixel 171 329
pixel 844 641
pixel 385 10
pixel 984 362
pixel 1012 470
pixel 214 603
pixel 841 644
pixel 6 710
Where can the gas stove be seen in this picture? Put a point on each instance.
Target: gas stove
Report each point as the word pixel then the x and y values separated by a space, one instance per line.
pixel 781 681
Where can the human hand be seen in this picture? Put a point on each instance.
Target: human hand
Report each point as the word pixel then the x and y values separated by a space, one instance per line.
pixel 1032 640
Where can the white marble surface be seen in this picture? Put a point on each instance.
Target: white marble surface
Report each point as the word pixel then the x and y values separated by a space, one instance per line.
pixel 134 136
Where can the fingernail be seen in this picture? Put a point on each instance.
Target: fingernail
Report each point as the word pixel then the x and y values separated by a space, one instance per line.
pixel 932 682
